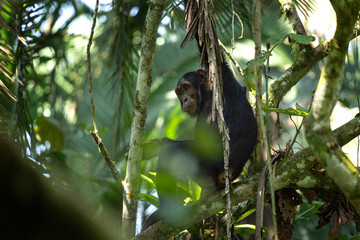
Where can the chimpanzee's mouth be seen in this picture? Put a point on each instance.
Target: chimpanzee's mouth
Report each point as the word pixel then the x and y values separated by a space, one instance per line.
pixel 187 109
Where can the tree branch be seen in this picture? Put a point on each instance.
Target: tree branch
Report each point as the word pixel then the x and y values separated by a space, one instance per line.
pixel 296 172
pixel 95 134
pixel 143 84
pixel 306 58
pixel 228 54
pixel 317 124
pixel 291 13
pixel 30 195
pixel 109 161
pixel 304 61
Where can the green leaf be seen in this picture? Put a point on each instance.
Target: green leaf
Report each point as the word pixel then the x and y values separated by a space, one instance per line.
pixel 277 39
pixel 300 108
pixel 302 39
pixel 245 230
pixel 287 111
pixel 344 101
pixel 246 214
pixel 148 180
pixel 183 187
pixel 194 190
pixel 249 70
pixel 149 198
pixel 48 129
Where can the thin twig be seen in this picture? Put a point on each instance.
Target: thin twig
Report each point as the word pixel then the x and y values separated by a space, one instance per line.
pixel 264 134
pixel 233 25
pixel 266 137
pixel 94 133
pixel 356 90
pixel 89 66
pixel 230 56
pixel 110 163
pixel 297 129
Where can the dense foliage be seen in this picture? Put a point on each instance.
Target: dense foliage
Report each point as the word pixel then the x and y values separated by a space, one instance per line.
pixel 45 108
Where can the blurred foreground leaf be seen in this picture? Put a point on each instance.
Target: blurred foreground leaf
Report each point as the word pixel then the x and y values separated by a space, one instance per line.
pixel 48 129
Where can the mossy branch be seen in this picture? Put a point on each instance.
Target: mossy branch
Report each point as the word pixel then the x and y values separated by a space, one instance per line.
pixel 75 221
pixel 317 125
pixel 304 61
pixel 296 172
pixel 142 94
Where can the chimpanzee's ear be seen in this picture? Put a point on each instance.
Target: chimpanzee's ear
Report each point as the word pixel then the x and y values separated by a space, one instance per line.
pixel 202 74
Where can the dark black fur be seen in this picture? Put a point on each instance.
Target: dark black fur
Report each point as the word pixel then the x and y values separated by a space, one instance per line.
pixel 241 122
pixel 204 153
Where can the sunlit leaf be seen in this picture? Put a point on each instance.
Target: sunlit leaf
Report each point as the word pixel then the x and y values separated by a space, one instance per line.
pixel 194 190
pixel 152 173
pixel 148 180
pixel 246 230
pixel 183 186
pixel 246 214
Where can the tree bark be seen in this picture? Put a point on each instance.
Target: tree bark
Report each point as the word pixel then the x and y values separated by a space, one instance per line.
pixel 132 179
pixel 296 173
pixel 40 199
pixel 317 125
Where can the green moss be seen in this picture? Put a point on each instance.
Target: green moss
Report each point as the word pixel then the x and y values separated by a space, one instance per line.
pixel 311 158
pixel 306 182
pixel 300 165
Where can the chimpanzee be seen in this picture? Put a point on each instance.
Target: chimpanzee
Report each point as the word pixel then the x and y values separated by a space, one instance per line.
pixel 202 158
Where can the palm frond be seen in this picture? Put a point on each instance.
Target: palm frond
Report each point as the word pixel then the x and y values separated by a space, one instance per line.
pixel 7 30
pixel 224 12
pixel 26 28
pixel 14 24
pixel 305 6
pixel 119 44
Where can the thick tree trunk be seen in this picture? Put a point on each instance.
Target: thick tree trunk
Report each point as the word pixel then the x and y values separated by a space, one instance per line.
pixel 318 132
pixel 132 179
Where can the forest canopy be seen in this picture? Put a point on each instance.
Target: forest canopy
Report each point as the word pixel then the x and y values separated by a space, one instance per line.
pixel 72 157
